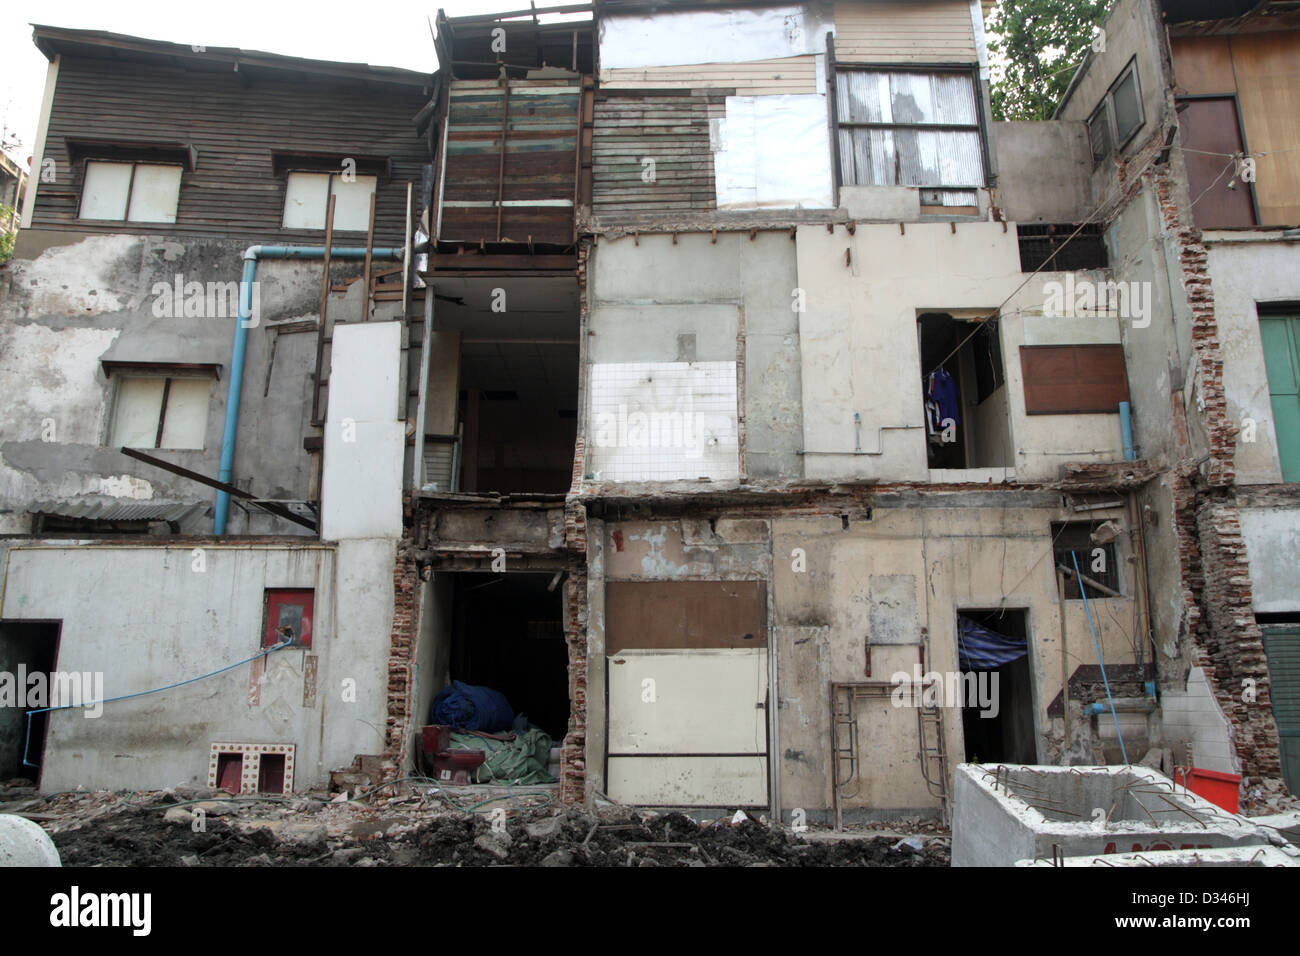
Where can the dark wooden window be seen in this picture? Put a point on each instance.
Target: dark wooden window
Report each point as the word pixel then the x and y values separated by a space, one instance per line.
pixel 1073 379
pixel 1049 246
pixel 289 613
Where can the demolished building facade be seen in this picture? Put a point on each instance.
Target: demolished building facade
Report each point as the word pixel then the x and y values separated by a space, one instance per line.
pixel 727 375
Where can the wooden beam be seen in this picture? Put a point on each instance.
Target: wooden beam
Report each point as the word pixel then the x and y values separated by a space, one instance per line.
pixel 370 243
pixel 273 507
pixel 324 303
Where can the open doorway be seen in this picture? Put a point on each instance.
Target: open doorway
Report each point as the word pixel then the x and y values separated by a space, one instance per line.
pixel 26 647
pixel 502 395
pixel 964 388
pixel 998 716
pixel 507 633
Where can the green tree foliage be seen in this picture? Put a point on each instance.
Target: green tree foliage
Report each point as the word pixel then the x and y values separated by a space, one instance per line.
pixel 1036 46
pixel 6 237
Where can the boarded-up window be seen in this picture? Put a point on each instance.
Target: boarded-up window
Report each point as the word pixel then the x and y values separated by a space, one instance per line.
pixel 307 195
pixel 136 192
pixel 908 129
pixel 288 616
pixel 1073 379
pixel 160 412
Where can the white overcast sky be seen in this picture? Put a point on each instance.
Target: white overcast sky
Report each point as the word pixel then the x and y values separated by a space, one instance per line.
pixel 382 33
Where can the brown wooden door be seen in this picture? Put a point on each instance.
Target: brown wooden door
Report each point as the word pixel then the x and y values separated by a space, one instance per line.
pixel 1210 133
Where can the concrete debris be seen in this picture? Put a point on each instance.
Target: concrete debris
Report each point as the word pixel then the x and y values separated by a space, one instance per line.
pixel 428 827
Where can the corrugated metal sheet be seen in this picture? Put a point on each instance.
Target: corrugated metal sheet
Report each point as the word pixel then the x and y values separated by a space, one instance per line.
pixel 235 122
pixel 794 74
pixel 935 32
pixel 672 130
pixel 117 510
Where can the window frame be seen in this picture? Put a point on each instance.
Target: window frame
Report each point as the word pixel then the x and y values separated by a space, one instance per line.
pixel 837 70
pixel 1107 102
pixel 135 164
pixel 1111 579
pixel 334 173
pixel 168 374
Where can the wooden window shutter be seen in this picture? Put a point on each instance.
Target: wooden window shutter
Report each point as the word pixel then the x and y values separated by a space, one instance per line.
pixel 1073 379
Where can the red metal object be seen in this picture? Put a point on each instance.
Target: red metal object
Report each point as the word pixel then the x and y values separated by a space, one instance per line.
pixel 435 738
pixel 290 608
pixel 454 766
pixel 1221 789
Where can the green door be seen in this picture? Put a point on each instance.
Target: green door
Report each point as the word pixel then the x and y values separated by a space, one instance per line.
pixel 1282 647
pixel 1281 336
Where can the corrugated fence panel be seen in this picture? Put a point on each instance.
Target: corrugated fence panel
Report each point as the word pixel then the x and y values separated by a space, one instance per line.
pixel 936 32
pixel 537 178
pixel 673 132
pixel 795 74
pixel 236 122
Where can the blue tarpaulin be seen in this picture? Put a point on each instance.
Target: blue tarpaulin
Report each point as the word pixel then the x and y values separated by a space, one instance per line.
pixel 980 649
pixel 468 707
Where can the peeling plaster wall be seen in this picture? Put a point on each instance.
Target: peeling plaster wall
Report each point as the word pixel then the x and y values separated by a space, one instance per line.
pixel 860 353
pixel 189 623
pixel 1248 276
pixel 92 299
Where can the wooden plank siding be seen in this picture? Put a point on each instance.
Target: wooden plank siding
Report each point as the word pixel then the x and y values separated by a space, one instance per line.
pixel 671 129
pixel 932 32
pixel 794 74
pixel 536 183
pixel 1073 379
pixel 236 123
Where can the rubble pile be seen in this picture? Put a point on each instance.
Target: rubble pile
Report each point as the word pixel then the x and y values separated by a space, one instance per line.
pixel 429 827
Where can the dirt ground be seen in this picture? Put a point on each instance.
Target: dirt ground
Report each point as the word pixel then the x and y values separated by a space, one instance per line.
pixel 199 827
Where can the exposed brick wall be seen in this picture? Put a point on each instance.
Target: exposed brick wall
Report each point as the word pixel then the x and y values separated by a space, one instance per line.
pixel 401 657
pixel 573 760
pixel 1207 359
pixel 1233 649
pixel 1215 576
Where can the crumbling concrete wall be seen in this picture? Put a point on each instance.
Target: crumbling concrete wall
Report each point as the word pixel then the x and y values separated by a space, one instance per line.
pixel 1043 171
pixel 86 300
pixel 688 299
pixel 203 611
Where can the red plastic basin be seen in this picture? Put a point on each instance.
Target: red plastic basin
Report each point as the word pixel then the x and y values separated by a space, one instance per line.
pixel 1221 789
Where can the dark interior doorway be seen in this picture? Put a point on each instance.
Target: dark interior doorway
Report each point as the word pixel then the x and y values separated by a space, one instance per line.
pixel 1008 735
pixel 508 634
pixel 972 420
pixel 26 647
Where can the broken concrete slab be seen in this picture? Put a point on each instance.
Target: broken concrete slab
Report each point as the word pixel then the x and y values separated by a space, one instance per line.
pixel 1004 813
pixel 1222 856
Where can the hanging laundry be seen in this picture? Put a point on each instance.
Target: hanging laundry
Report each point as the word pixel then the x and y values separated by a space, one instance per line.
pixel 942 389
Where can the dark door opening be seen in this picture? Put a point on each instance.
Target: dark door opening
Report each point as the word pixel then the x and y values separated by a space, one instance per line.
pixel 26 647
pixel 998 726
pixel 508 634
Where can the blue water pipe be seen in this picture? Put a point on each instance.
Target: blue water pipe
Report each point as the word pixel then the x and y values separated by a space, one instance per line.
pixel 1078 576
pixel 1126 429
pixel 251 256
